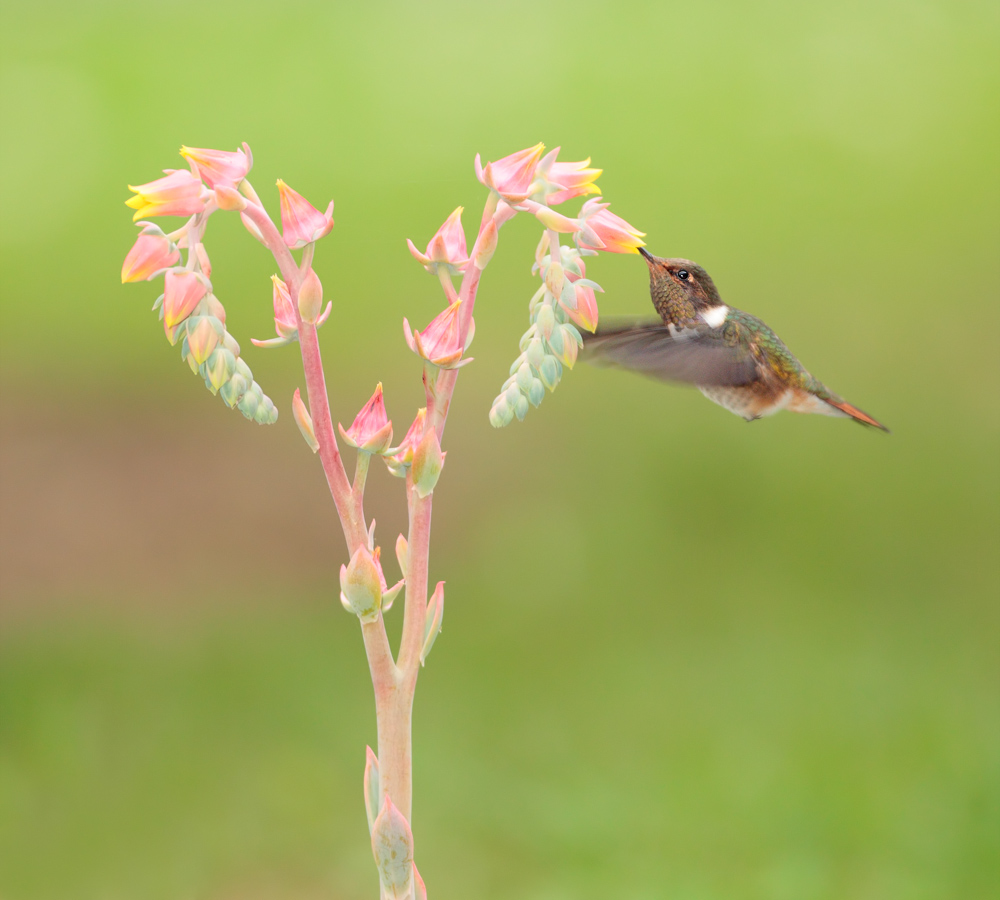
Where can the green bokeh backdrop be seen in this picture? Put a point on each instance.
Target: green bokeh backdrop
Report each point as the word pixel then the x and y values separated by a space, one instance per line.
pixel 683 656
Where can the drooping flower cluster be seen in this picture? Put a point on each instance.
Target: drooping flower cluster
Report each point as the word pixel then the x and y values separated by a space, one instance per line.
pixel 566 300
pixel 526 181
pixel 191 313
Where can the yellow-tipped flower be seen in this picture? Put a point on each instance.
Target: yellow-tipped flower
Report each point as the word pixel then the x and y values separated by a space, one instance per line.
pixel 179 193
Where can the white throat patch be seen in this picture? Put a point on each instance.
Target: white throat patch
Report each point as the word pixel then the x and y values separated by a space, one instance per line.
pixel 714 316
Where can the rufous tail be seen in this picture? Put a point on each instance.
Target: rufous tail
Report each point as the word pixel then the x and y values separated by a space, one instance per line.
pixel 857 414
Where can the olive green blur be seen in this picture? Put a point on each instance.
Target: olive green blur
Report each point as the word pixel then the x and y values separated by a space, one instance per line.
pixel 683 656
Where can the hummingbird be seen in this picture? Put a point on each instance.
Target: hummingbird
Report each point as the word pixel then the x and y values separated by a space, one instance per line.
pixel 732 357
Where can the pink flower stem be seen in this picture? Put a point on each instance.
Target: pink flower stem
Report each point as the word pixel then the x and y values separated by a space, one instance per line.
pixel 394 684
pixel 348 501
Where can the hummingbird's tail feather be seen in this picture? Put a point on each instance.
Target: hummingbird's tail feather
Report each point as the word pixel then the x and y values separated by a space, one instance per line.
pixel 855 413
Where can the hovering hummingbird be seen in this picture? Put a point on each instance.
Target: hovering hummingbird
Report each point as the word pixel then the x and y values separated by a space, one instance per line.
pixel 732 357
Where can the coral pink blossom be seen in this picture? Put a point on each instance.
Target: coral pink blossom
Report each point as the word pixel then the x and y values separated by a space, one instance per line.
pixel 220 167
pixel 585 314
pixel 564 181
pixel 179 193
pixel 152 252
pixel 285 323
pixel 447 247
pixel 441 341
pixel 181 294
pixel 511 176
pixel 301 222
pixel 402 455
pixel 603 230
pixel 371 430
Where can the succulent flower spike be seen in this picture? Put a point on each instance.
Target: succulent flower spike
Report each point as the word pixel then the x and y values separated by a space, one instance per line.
pixel 392 846
pixel 446 248
pixel 284 317
pixel 151 253
pixel 398 459
pixel 181 294
pixel 511 176
pixel 556 182
pixel 603 230
pixel 301 222
pixel 440 342
pixel 371 431
pixel 361 586
pixel 179 193
pixel 219 167
pixel 371 787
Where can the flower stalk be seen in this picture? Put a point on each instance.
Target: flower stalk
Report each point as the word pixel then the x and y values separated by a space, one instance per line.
pixel 525 181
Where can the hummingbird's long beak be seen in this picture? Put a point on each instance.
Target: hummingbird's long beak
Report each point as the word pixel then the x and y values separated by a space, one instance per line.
pixel 650 259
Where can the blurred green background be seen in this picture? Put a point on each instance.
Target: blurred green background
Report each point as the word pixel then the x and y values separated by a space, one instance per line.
pixel 683 657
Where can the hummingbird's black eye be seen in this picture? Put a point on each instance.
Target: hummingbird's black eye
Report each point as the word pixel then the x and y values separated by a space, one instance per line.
pixel 682 274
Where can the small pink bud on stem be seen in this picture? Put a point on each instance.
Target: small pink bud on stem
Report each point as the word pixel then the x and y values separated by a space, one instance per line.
pixel 371 431
pixel 428 461
pixel 311 298
pixel 360 586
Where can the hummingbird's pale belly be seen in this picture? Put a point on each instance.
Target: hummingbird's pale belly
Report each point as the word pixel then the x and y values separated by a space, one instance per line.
pixel 755 400
pixel 749 401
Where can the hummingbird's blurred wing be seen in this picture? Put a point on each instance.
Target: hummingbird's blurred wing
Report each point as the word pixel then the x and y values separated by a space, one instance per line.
pixel 695 355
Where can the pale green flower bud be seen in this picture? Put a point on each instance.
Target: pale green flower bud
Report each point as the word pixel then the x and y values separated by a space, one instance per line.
pixel 360 586
pixel 428 460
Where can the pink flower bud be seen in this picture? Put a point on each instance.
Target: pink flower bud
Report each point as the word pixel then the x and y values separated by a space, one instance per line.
pixel 399 458
pixel 310 298
pixel 447 247
pixel 392 846
pixel 151 253
pixel 301 222
pixel 361 586
pixel 229 199
pixel 219 167
pixel 440 342
pixel 179 193
pixel 585 314
pixel 304 421
pixel 511 176
pixel 603 230
pixel 428 461
pixel 181 294
pixel 558 182
pixel 371 430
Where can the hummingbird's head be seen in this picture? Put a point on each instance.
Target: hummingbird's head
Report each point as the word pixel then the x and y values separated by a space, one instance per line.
pixel 682 280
